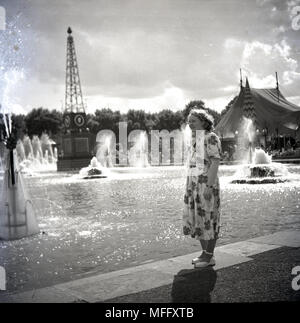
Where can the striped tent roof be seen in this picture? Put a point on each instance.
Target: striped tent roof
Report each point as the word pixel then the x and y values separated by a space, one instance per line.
pixel 268 109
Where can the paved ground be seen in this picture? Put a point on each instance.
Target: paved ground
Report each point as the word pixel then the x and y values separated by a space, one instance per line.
pixel 265 279
pixel 255 270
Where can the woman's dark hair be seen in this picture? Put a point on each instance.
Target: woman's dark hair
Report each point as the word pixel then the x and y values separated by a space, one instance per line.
pixel 203 116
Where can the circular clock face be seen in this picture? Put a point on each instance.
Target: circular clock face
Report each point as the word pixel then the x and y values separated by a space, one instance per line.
pixel 79 120
pixel 67 121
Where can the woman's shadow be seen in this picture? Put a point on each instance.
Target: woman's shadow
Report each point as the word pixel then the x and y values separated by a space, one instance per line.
pixel 193 285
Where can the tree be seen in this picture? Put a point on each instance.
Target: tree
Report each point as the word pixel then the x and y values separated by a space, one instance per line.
pixel 20 125
pixel 169 120
pixel 137 120
pixel 104 119
pixel 92 124
pixel 42 120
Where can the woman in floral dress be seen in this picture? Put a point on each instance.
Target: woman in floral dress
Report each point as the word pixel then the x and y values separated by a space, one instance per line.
pixel 201 218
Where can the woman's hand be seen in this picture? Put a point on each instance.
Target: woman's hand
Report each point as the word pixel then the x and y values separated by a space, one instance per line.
pixel 207 193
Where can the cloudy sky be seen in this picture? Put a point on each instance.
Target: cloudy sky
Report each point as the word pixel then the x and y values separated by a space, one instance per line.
pixel 147 54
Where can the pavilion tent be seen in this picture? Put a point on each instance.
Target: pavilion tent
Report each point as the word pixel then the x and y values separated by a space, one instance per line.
pixel 272 112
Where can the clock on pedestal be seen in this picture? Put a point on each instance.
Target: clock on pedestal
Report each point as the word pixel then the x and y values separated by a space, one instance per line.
pixel 75 121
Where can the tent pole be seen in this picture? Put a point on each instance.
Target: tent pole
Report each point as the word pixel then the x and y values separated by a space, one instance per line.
pixel 241 78
pixel 277 86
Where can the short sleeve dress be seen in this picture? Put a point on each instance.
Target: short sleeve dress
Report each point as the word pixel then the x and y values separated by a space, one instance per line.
pixel 201 217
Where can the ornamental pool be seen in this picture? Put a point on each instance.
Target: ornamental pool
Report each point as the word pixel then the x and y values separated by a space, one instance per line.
pixel 132 217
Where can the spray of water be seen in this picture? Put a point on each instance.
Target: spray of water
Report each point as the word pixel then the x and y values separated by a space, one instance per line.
pixel 107 144
pixel 104 151
pixel 246 141
pixel 138 153
pixel 37 154
pixel 15 54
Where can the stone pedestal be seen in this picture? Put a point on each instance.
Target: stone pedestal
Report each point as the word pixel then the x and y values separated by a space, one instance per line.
pixel 75 151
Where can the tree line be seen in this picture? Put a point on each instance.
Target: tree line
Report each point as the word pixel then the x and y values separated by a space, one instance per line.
pixel 40 120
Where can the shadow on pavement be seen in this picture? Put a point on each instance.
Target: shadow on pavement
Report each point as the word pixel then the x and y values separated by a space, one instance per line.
pixel 193 285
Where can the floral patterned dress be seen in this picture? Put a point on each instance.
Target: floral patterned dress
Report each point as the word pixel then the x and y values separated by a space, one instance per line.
pixel 201 217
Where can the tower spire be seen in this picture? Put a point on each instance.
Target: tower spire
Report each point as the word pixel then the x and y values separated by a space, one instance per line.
pixel 73 96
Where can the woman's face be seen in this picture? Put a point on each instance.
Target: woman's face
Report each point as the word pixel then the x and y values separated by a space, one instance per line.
pixel 195 123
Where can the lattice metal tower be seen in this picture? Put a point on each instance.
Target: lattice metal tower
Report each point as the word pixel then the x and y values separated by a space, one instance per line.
pixel 73 99
pixel 76 146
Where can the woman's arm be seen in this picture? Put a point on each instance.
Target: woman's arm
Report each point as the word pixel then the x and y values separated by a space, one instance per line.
pixel 213 171
pixel 212 174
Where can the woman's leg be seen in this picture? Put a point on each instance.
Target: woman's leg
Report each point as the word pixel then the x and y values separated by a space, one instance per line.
pixel 211 244
pixel 205 259
pixel 203 254
pixel 204 244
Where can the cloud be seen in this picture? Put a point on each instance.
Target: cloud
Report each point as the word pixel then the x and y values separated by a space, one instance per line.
pixel 261 60
pixel 155 54
pixel 171 98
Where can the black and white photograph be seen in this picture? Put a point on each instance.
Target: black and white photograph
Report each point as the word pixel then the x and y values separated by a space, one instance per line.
pixel 150 154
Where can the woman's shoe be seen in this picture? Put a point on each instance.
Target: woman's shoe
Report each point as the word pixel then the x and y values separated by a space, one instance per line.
pixel 203 263
pixel 212 261
pixel 198 259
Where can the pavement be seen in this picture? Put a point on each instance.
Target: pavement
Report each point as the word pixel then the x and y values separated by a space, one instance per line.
pixel 255 270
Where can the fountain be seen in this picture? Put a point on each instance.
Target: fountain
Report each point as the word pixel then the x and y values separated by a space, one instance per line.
pixel 36 154
pixel 138 153
pixel 94 170
pixel 46 148
pixel 257 167
pixel 17 216
pixel 104 151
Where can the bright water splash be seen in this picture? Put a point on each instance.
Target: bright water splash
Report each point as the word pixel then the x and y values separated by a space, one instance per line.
pixel 16 50
pixel 104 151
pixel 261 167
pixel 246 141
pixel 12 79
pixel 94 170
pixel 37 154
pixel 261 157
pixel 256 163
pixel 138 153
